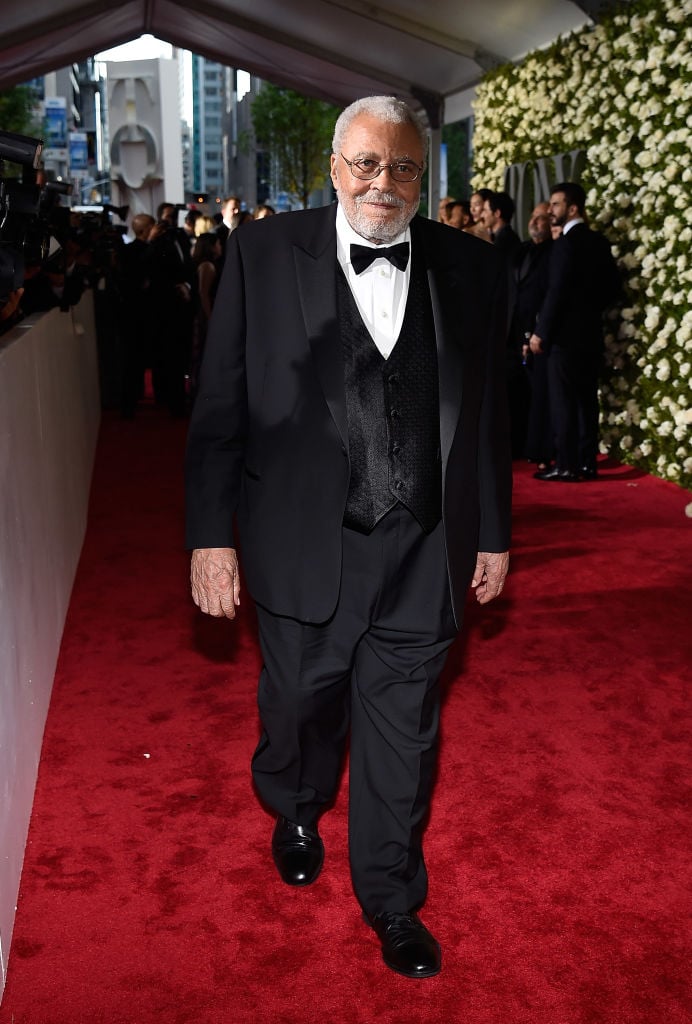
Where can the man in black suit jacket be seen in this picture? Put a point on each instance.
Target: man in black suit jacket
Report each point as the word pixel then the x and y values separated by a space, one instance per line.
pixel 351 416
pixel 534 437
pixel 498 211
pixel 582 281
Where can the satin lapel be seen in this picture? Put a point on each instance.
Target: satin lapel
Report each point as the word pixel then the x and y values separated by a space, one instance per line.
pixel 315 263
pixel 447 305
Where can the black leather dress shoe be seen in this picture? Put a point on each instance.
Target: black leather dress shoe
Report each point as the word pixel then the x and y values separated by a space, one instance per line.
pixel 407 945
pixel 563 475
pixel 298 852
pixel 588 473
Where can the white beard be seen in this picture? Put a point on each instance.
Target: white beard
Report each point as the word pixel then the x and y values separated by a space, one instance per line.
pixel 374 227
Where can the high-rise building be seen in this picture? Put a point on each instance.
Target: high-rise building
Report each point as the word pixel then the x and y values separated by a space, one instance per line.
pixel 211 103
pixel 72 101
pixel 186 141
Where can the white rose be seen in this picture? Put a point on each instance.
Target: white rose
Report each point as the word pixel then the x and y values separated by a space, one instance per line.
pixel 652 318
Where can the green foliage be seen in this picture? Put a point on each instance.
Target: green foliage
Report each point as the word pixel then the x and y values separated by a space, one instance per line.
pixel 17 111
pixel 456 137
pixel 296 131
pixel 620 91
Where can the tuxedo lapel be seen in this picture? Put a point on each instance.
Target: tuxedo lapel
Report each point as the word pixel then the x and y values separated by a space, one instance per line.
pixel 315 263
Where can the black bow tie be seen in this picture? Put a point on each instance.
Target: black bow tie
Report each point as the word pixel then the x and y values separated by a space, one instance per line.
pixel 363 255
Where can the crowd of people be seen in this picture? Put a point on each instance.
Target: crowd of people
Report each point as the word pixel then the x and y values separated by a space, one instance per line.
pixel 167 279
pixel 153 294
pixel 156 294
pixel 37 283
pixel 559 282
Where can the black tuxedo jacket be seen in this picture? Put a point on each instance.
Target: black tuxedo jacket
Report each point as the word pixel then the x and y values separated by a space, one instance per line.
pixel 507 241
pixel 583 280
pixel 268 440
pixel 531 281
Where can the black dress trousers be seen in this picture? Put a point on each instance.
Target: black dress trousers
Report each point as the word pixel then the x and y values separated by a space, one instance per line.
pixel 376 665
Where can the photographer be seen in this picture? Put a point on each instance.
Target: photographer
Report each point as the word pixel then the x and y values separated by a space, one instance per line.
pixel 59 280
pixel 19 204
pixel 40 260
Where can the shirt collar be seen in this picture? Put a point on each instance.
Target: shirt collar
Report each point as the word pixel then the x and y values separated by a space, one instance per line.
pixel 570 224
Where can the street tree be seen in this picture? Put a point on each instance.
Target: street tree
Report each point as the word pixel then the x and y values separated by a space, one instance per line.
pixel 296 131
pixel 18 111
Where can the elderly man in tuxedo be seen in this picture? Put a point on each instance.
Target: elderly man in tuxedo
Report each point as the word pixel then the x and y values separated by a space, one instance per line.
pixel 351 421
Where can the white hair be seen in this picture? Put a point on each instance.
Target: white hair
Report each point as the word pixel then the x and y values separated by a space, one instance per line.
pixel 384 108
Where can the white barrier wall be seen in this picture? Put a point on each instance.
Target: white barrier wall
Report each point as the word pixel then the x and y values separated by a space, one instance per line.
pixel 49 417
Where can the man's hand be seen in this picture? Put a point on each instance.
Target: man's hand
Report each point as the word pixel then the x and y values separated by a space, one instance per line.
pixel 215 581
pixel 535 344
pixel 489 576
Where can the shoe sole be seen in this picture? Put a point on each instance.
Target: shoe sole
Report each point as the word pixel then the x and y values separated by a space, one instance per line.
pixel 420 974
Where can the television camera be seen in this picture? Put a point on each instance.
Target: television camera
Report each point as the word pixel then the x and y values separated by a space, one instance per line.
pixel 33 225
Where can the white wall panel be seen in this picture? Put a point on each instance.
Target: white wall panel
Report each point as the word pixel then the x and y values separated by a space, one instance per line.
pixel 49 416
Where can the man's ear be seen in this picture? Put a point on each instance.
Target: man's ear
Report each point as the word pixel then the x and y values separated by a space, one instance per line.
pixel 332 171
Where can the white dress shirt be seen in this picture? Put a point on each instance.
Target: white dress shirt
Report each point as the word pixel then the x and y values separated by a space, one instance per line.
pixel 570 224
pixel 380 291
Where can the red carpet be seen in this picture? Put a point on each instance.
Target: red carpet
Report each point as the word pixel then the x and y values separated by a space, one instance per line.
pixel 559 843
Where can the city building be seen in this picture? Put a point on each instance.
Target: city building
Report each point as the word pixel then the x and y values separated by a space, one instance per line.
pixel 71 107
pixel 211 103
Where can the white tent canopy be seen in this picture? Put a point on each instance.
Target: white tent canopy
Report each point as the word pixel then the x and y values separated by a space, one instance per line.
pixel 432 54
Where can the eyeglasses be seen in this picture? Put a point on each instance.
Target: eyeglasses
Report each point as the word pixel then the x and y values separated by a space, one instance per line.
pixel 366 169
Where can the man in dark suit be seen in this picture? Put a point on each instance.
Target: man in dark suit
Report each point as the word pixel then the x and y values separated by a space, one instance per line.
pixel 351 415
pixel 498 211
pixel 583 280
pixel 171 290
pixel 230 218
pixel 137 315
pixel 530 415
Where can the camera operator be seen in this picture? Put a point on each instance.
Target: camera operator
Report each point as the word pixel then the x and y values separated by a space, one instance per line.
pixel 59 280
pixel 40 266
pixel 19 207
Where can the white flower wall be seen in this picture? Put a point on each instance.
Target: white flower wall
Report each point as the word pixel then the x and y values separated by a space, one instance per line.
pixel 622 92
